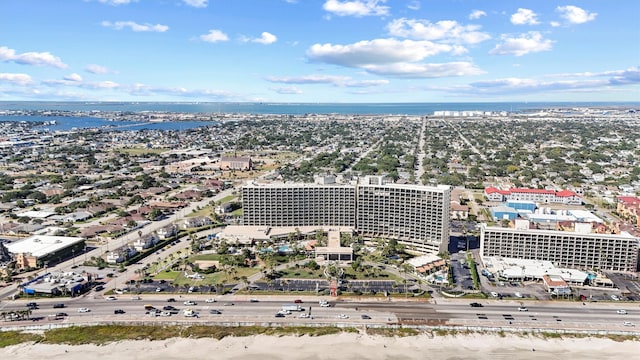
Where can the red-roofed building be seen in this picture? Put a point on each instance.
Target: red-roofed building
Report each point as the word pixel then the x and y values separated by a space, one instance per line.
pixel 629 207
pixel 545 196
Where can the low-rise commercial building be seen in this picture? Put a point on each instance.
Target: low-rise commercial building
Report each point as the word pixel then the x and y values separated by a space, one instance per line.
pixel 41 250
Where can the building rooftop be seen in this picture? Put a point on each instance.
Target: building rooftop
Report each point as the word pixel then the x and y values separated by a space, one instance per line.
pixel 42 245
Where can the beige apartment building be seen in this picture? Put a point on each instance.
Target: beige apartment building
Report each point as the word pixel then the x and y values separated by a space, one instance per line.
pixel 578 249
pixel 417 216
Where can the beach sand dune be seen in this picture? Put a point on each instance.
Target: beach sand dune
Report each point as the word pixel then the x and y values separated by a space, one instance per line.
pixel 342 346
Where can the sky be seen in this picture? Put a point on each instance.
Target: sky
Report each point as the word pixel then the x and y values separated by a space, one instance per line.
pixel 320 51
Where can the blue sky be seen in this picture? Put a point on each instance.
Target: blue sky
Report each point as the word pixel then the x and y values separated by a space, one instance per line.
pixel 320 50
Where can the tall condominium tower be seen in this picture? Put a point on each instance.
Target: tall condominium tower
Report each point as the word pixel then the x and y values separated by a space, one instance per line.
pixel 416 216
pixel 299 205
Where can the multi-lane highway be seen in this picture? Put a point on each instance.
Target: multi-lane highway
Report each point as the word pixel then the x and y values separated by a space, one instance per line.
pixel 240 309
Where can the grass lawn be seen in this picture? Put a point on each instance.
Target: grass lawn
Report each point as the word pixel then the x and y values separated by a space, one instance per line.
pixel 179 279
pixel 301 273
pixel 227 199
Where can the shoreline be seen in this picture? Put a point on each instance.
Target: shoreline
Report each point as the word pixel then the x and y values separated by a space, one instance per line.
pixel 342 346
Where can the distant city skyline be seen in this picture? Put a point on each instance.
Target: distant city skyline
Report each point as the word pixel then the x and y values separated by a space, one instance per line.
pixel 326 51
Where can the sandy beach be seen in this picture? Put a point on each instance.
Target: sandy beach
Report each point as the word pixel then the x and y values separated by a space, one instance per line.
pixel 342 346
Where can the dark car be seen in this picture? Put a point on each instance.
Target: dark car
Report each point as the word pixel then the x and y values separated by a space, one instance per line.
pixel 365 317
pixel 169 308
pixel 297 301
pixel 118 311
pixel 171 300
pixel 61 314
pixel 215 312
pixel 280 315
pixel 475 304
pixel 58 306
pixel 32 305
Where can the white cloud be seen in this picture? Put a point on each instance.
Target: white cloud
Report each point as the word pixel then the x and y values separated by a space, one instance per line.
pixel 378 51
pixel 524 17
pixel 73 77
pixel 357 8
pixel 393 57
pixel 119 25
pixel 526 43
pixel 445 30
pixel 196 3
pixel 420 70
pixel 214 36
pixel 340 81
pixel 575 15
pixel 31 58
pixel 477 14
pixel 96 69
pixel 266 38
pixel 574 82
pixel 554 24
pixel 308 79
pixel 18 79
pixel 414 5
pixel 287 90
pixel 117 2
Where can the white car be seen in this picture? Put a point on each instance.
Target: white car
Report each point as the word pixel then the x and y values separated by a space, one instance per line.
pixel 628 323
pixel 111 298
pixel 325 304
pixel 165 313
pixel 343 316
pixel 494 294
pixel 304 316
pixel 615 297
pixel 189 302
pixel 522 308
pixel 84 310
pixel 622 312
pixel 210 300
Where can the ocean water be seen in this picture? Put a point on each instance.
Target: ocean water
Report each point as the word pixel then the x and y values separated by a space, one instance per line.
pixel 66 123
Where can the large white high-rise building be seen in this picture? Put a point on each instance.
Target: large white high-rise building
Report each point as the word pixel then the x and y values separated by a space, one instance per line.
pixel 416 216
pixel 577 249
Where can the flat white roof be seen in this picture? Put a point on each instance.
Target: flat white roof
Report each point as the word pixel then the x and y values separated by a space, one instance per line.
pixel 423 260
pixel 36 214
pixel 244 234
pixel 42 245
pixel 521 268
